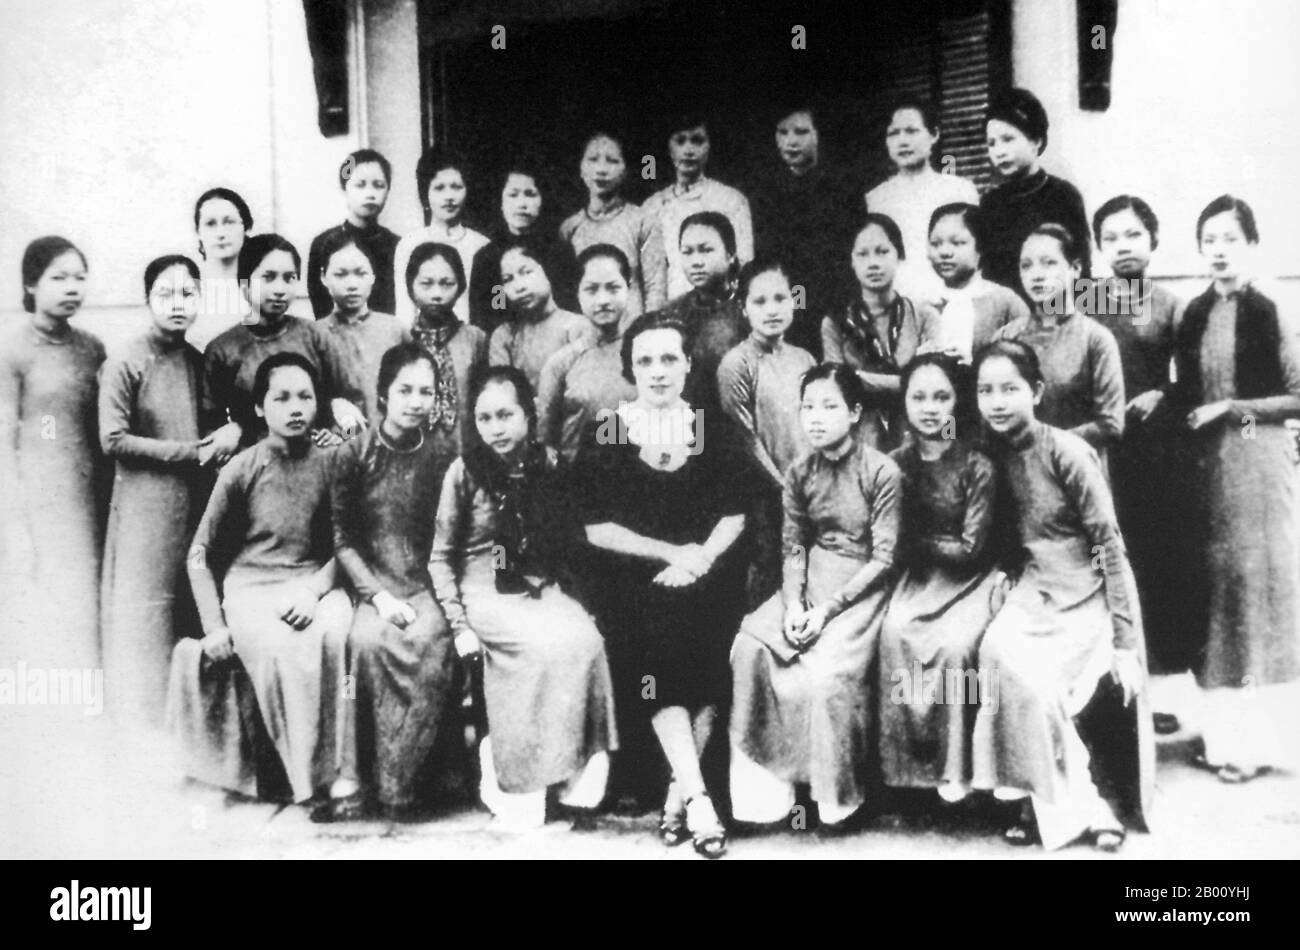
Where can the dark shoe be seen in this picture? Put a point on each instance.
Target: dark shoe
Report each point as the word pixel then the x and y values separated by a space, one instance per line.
pixel 1165 724
pixel 709 838
pixel 348 808
pixel 1024 830
pixel 672 829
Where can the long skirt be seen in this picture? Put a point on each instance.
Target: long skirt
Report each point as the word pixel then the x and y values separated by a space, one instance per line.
pixel 211 714
pixel 807 716
pixel 402 680
pixel 297 676
pixel 546 684
pixel 929 677
pixel 149 528
pixel 1042 662
pixel 1253 560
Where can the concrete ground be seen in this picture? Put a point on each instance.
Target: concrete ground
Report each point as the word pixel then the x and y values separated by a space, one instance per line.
pixel 94 799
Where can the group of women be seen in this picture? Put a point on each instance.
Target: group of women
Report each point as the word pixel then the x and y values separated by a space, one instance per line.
pixel 713 550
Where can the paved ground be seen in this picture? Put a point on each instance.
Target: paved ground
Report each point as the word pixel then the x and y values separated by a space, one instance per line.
pixel 96 801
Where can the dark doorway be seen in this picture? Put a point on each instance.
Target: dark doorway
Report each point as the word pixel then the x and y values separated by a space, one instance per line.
pixel 587 64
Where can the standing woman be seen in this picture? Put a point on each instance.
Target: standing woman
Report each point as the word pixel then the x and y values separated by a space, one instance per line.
pixel 609 218
pixel 1238 379
pixel 911 195
pixel 759 383
pixel 971 309
pixel 537 328
pixel 929 687
pixel 50 465
pixel 435 281
pixel 442 181
pixel 665 498
pixel 499 554
pixel 269 268
pixel 385 500
pixel 222 221
pixel 1079 357
pixel 1028 196
pixel 712 311
pixel 149 423
pixel 522 219
pixel 275 605
pixel 692 191
pixel 880 331
pixel 585 378
pixel 803 704
pixel 1068 626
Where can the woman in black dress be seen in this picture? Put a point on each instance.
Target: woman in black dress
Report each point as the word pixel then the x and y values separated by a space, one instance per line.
pixel 665 503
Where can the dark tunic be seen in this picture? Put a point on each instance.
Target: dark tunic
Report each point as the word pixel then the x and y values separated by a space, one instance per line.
pixel 379 243
pixel 1014 208
pixel 231 361
pixel 715 327
pixel 806 222
pixel 385 502
pixel 678 636
pixel 149 424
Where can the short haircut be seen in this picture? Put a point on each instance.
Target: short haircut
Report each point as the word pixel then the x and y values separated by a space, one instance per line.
pixel 970 217
pixel 435 160
pixel 711 219
pixel 262 378
pixel 844 377
pixel 364 156
pixel 1021 355
pixel 761 264
pixel 1071 246
pixel 427 252
pixel 156 267
pixel 256 249
pixel 394 360
pixel 38 257
pixel 685 120
pixel 1127 203
pixel 336 241
pixel 225 194
pixel 1229 203
pixel 604 252
pixel 929 114
pixel 886 224
pixel 644 324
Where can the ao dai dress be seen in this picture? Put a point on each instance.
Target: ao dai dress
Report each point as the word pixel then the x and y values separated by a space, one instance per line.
pixel 361 343
pixel 1049 649
pixel 929 688
pixel 527 341
pixel 149 425
pixel 806 715
pixel 385 502
pixel 578 384
pixel 269 520
pixel 635 232
pixel 49 481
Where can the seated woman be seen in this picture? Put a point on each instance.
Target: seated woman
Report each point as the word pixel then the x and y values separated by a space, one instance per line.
pixel 929 681
pixel 665 497
pixel 385 500
pixel 1068 626
pixel 586 377
pixel 880 331
pixel 537 328
pixel 497 559
pixel 803 706
pixel 276 606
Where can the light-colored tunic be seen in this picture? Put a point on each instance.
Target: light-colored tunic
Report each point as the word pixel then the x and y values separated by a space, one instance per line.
pixel 670 208
pixel 807 715
pixel 527 341
pixel 910 201
pixel 467 243
pixel 636 233
pixel 758 385
pixel 50 468
pixel 546 682
pixel 579 381
pixel 361 343
pixel 149 424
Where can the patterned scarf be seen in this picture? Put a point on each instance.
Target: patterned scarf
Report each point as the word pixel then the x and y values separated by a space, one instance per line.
pixel 434 329
pixel 863 328
pixel 526 529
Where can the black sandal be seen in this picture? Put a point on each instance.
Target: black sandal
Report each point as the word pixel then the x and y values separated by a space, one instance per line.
pixel 672 828
pixel 711 842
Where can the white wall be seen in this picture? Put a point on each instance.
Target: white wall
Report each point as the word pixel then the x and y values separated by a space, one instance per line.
pixel 1204 96
pixel 117 114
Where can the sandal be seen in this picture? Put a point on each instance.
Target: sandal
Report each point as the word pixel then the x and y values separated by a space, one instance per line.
pixel 348 808
pixel 1232 775
pixel 709 841
pixel 1024 831
pixel 672 823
